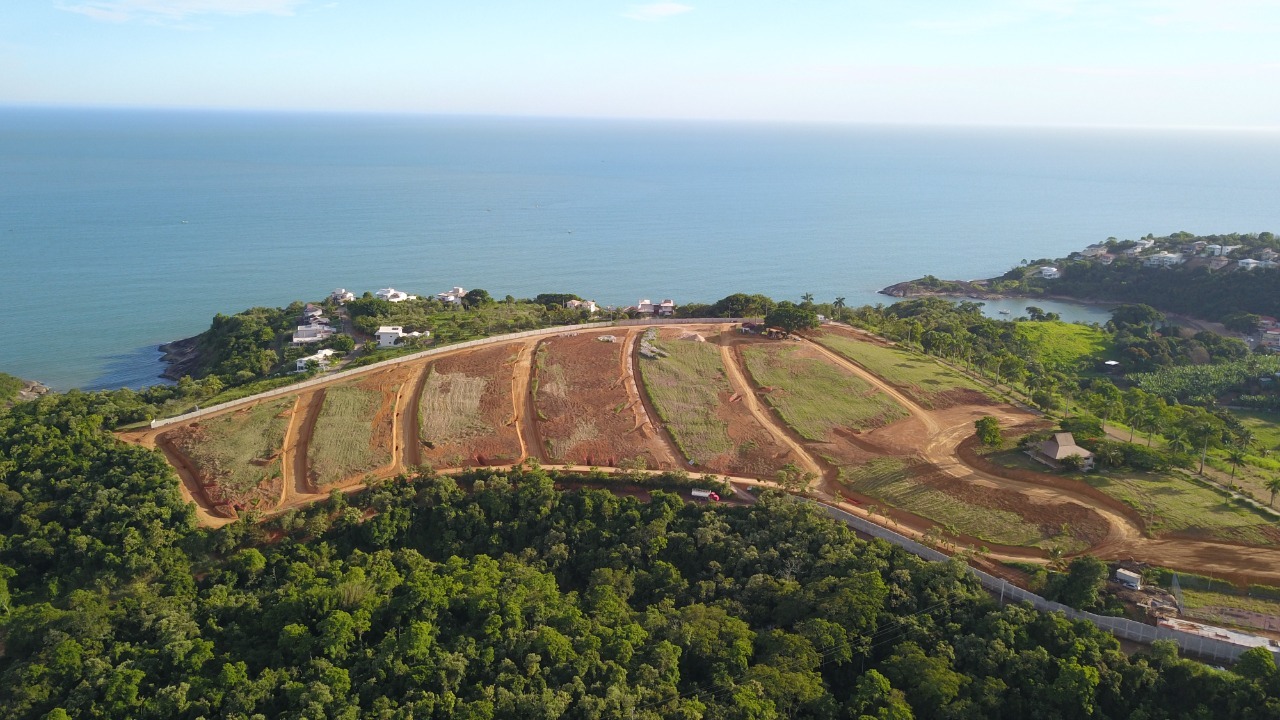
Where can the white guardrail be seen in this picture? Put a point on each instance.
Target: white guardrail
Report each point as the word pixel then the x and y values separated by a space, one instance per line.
pixel 325 379
pixel 1219 651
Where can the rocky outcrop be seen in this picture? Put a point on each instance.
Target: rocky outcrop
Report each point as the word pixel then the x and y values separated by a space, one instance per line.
pixel 182 358
pixel 930 286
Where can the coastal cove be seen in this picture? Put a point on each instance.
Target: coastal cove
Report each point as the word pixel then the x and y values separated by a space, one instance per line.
pixel 129 229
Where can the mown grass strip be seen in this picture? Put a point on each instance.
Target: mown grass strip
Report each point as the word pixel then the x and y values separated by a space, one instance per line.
pixel 814 396
pixel 341 447
pixel 685 388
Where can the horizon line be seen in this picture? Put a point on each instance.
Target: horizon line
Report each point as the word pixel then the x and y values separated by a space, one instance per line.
pixel 5 106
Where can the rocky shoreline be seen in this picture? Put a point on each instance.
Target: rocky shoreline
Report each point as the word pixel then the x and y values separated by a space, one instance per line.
pixel 181 356
pixel 976 289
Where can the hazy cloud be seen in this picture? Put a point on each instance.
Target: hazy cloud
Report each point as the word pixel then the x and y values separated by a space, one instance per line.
pixel 176 10
pixel 657 11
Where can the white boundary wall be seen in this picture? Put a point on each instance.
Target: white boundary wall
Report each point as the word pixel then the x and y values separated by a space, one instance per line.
pixel 1207 648
pixel 540 332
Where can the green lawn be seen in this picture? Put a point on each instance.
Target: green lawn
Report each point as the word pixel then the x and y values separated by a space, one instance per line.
pixel 1062 344
pixel 1195 599
pixel 814 396
pixel 341 447
pixel 1173 503
pixel 1265 427
pixel 685 388
pixel 240 450
pixel 888 480
pixel 922 377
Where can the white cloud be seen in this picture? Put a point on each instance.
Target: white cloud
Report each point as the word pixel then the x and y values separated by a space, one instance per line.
pixel 176 10
pixel 657 11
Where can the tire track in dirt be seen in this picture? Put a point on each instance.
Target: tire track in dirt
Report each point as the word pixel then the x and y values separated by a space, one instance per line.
pixel 407 421
pixel 297 441
pixel 782 433
pixel 523 412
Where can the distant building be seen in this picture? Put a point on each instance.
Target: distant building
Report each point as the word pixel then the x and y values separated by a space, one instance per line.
pixel 452 297
pixel 1218 263
pixel 1061 446
pixel 1249 264
pixel 321 358
pixel 1163 259
pixel 1094 251
pixel 1268 254
pixel 312 312
pixel 341 295
pixel 393 295
pixel 588 305
pixel 310 333
pixel 1271 340
pixel 390 335
pixel 1048 272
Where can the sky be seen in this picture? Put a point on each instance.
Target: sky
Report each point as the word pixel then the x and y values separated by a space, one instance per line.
pixel 1111 63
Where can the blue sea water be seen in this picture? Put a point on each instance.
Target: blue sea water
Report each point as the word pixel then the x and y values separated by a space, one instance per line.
pixel 120 230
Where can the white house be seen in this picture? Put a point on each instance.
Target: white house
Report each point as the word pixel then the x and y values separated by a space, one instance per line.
pixel 453 296
pixel 321 358
pixel 666 308
pixel 394 295
pixel 341 295
pixel 388 335
pixel 1248 264
pixel 1049 272
pixel 588 305
pixel 1163 259
pixel 312 332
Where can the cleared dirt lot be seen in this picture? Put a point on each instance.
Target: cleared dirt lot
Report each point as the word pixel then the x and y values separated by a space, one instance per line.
pixel 585 411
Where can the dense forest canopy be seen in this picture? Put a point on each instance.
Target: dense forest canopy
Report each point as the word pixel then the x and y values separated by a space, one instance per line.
pixel 496 595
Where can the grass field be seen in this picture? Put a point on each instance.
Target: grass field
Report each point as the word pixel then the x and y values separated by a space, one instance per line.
pixel 1062 344
pixel 814 396
pixel 240 450
pixel 685 388
pixel 888 480
pixel 1265 427
pixel 1196 599
pixel 342 447
pixel 450 408
pixel 922 377
pixel 1172 503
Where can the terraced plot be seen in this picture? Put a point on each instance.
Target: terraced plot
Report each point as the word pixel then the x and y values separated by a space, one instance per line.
pixel 584 413
pixel 894 482
pixel 352 435
pixel 237 456
pixel 465 412
pixel 814 396
pixel 929 383
pixel 696 404
pixel 1174 505
pixel 686 386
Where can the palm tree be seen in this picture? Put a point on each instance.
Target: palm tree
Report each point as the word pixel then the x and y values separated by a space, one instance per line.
pixel 1273 485
pixel 807 298
pixel 838 304
pixel 1235 456
pixel 1180 441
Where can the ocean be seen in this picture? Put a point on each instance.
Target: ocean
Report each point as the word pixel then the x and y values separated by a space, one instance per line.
pixel 121 230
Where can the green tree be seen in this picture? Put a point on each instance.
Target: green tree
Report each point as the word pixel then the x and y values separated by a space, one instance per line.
pixel 792 318
pixel 1273 485
pixel 989 431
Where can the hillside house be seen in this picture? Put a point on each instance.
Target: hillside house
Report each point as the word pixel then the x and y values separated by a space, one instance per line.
pixel 394 295
pixel 1048 272
pixel 1268 254
pixel 1218 263
pixel 1163 259
pixel 322 358
pixel 1062 445
pixel 1094 251
pixel 341 295
pixel 390 335
pixel 1270 340
pixel 452 296
pixel 310 333
pixel 588 305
